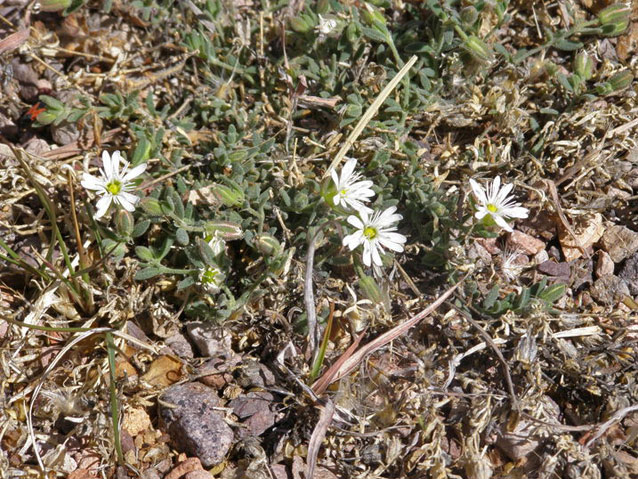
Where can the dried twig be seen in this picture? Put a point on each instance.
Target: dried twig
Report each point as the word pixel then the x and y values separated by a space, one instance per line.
pixel 317 436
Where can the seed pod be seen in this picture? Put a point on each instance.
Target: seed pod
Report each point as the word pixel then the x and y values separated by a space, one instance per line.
pixel 583 66
pixel 124 223
pixel 614 19
pixel 267 245
pixel 478 49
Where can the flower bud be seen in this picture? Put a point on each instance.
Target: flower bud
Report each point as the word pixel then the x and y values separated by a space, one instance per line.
pixel 300 25
pixel 267 245
pixel 229 195
pixel 469 15
pixel 225 230
pixel 621 80
pixel 616 83
pixel 373 16
pixel 124 223
pixel 478 49
pixel 583 66
pixel 614 19
pixel 151 206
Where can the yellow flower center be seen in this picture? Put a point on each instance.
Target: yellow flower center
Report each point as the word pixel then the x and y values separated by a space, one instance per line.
pixel 343 192
pixel 492 208
pixel 370 232
pixel 114 187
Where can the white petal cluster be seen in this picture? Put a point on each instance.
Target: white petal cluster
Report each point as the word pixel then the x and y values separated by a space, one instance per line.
pixel 495 202
pixel 114 185
pixel 375 233
pixel 351 192
pixel 326 25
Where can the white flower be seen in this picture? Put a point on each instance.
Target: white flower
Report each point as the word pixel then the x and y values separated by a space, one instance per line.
pixel 375 233
pixel 350 191
pixel 326 25
pixel 494 201
pixel 216 243
pixel 211 278
pixel 114 185
pixel 511 266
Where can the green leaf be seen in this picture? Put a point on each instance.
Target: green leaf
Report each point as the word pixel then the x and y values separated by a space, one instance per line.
pixel 374 34
pixel 185 283
pixel 206 252
pixel 568 45
pixel 140 228
pixel 52 103
pixel 147 273
pixel 182 236
pixel 491 297
pixel 144 254
pixel 552 293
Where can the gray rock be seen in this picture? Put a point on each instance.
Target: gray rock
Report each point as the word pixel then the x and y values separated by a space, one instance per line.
pixel 629 272
pixel 255 411
pixel 210 340
pixel 620 242
pixel 193 423
pixel 180 346
pixel 609 290
pixel 65 133
pixel 255 374
pixel 604 264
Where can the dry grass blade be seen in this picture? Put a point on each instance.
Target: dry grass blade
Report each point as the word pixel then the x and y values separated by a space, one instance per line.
pixel 353 359
pixel 370 112
pixel 328 377
pixel 317 436
pixel 14 40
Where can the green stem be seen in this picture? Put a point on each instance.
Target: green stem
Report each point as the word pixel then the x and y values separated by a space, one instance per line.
pixel 110 346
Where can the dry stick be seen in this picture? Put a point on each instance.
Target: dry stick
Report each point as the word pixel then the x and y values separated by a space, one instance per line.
pixel 365 119
pixel 354 359
pixel 317 437
pixel 490 341
pixel 617 416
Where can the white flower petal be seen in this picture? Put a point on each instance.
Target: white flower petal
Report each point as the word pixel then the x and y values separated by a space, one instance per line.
pixel 116 158
pixel 356 222
pixel 367 257
pixel 376 258
pixel 348 169
pixel 134 172
pixel 516 212
pixel 102 206
pixel 91 182
pixel 479 192
pixel 502 223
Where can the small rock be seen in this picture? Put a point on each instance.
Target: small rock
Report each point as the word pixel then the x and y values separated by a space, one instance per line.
pixel 604 264
pixel 620 242
pixel 198 475
pixel 541 256
pixel 587 231
pixel 255 409
pixel 279 471
pixel 136 421
pixel 251 403
pixel 551 268
pixel 65 133
pixel 525 243
pixel 255 374
pixel 180 346
pixel 195 426
pixel 629 272
pixel 609 290
pixel 210 340
pixel 490 244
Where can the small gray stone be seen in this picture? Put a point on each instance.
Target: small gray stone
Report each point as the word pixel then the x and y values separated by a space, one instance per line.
pixel 180 346
pixel 210 340
pixel 255 374
pixel 620 242
pixel 629 272
pixel 194 425
pixel 65 133
pixel 609 290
